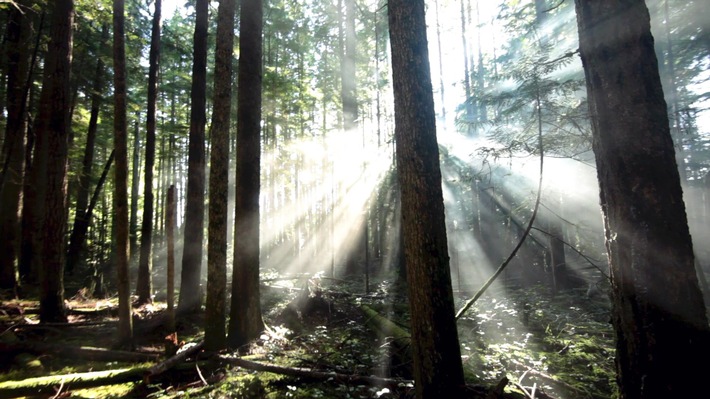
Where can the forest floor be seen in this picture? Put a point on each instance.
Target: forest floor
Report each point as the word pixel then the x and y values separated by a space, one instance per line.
pixel 325 330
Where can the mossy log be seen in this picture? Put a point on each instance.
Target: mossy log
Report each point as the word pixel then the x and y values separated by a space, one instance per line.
pixel 472 391
pixel 314 375
pixel 51 384
pixel 399 357
pixel 385 325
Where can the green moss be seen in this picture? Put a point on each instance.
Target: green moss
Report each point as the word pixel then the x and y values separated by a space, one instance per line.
pixel 108 391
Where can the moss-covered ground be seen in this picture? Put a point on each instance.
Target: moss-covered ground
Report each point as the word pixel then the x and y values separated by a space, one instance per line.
pixel 559 346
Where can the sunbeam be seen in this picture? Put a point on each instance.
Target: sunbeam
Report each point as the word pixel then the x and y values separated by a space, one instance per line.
pixel 315 203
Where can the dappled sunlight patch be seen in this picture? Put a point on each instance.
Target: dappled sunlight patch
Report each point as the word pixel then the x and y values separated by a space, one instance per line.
pixel 562 347
pixel 108 391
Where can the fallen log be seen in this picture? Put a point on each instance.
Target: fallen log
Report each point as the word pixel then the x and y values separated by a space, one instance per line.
pixel 385 325
pixel 399 357
pixel 471 391
pixel 49 384
pixel 314 375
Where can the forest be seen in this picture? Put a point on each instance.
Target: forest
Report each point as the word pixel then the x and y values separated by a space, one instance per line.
pixel 354 199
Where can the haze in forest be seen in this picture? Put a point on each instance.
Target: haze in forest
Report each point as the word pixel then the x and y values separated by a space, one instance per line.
pixel 402 155
pixel 328 162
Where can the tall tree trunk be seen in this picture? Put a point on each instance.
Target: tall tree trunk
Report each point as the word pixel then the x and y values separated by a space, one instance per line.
pixel 120 198
pixel 12 158
pixel 29 194
pixel 245 322
pixel 84 180
pixel 441 64
pixel 135 184
pixel 437 358
pixel 170 213
pixel 350 121
pixel 658 311
pixel 190 290
pixel 558 260
pixel 348 77
pixel 144 284
pixel 216 309
pixel 51 163
pixel 481 75
pixel 468 115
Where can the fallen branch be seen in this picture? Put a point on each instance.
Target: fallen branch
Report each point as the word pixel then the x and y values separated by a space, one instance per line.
pixel 550 379
pixel 314 374
pixel 171 362
pixel 500 269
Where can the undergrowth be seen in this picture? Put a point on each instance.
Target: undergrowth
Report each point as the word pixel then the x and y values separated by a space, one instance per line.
pixel 562 345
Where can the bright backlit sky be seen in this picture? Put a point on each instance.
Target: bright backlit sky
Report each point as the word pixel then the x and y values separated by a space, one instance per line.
pixel 451 47
pixel 169 7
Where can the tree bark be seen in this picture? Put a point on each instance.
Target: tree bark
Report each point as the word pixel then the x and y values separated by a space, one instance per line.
pixel 29 194
pixel 135 167
pixel 51 163
pixel 144 283
pixel 120 198
pixel 170 209
pixel 437 358
pixel 658 312
pixel 190 290
pixel 12 158
pixel 216 302
pixel 245 322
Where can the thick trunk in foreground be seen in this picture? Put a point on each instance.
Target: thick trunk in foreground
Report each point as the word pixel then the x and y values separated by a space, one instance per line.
pixel 245 322
pixel 52 145
pixel 658 312
pixel 437 357
pixel 216 302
